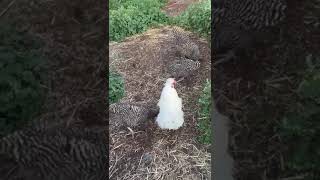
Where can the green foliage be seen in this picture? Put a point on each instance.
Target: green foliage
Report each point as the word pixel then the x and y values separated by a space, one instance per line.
pixel 115 4
pixel 116 87
pixel 21 75
pixel 204 121
pixel 142 4
pixel 196 18
pixel 129 17
pixel 134 16
pixel 300 128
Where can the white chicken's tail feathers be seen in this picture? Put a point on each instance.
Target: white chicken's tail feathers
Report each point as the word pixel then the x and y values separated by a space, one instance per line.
pixel 170 120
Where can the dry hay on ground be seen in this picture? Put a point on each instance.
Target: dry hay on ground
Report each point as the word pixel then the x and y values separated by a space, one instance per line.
pixel 141 61
pixel 173 157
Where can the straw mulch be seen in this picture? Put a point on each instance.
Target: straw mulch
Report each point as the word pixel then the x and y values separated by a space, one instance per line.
pixel 152 153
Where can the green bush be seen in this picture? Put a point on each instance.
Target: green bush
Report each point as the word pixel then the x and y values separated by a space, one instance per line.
pixel 21 76
pixel 134 16
pixel 116 87
pixel 115 4
pixel 196 18
pixel 204 120
pixel 300 128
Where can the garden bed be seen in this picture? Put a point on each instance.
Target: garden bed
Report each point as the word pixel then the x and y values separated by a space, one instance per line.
pixel 152 152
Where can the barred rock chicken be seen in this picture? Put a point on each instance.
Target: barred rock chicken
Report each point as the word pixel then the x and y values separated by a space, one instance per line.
pixel 185 47
pixel 54 154
pixel 131 114
pixel 171 114
pixel 183 67
pixel 236 23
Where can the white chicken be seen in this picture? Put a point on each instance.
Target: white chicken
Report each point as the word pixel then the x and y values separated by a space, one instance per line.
pixel 170 115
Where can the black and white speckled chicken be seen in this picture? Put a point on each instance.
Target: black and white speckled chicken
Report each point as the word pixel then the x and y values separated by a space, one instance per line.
pixel 183 68
pixel 131 114
pixel 185 46
pixel 238 23
pixel 54 154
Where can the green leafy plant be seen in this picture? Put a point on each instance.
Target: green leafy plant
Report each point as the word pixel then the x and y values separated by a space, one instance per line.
pixel 115 4
pixel 116 87
pixel 204 120
pixel 300 128
pixel 22 71
pixel 134 16
pixel 196 18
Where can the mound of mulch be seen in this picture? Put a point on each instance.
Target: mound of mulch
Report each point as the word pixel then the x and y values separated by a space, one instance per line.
pixel 255 93
pixel 151 152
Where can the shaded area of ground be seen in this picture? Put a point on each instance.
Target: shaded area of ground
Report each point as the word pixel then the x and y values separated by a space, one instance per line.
pixel 151 152
pixel 255 93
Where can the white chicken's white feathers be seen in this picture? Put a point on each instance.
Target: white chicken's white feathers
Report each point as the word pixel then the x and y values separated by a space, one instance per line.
pixel 171 114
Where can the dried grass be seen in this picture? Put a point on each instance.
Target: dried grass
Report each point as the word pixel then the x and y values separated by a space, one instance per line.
pixel 160 155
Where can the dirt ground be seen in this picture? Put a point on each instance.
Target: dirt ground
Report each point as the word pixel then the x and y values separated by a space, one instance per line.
pixel 176 7
pixel 254 93
pixel 152 153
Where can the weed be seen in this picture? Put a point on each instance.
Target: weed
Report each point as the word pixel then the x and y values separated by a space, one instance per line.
pixel 204 120
pixel 196 18
pixel 116 87
pixel 134 16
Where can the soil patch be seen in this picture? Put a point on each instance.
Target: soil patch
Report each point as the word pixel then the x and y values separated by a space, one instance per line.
pixel 176 7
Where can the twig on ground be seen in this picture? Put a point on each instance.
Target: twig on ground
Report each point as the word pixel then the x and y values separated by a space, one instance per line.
pixel 7 8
